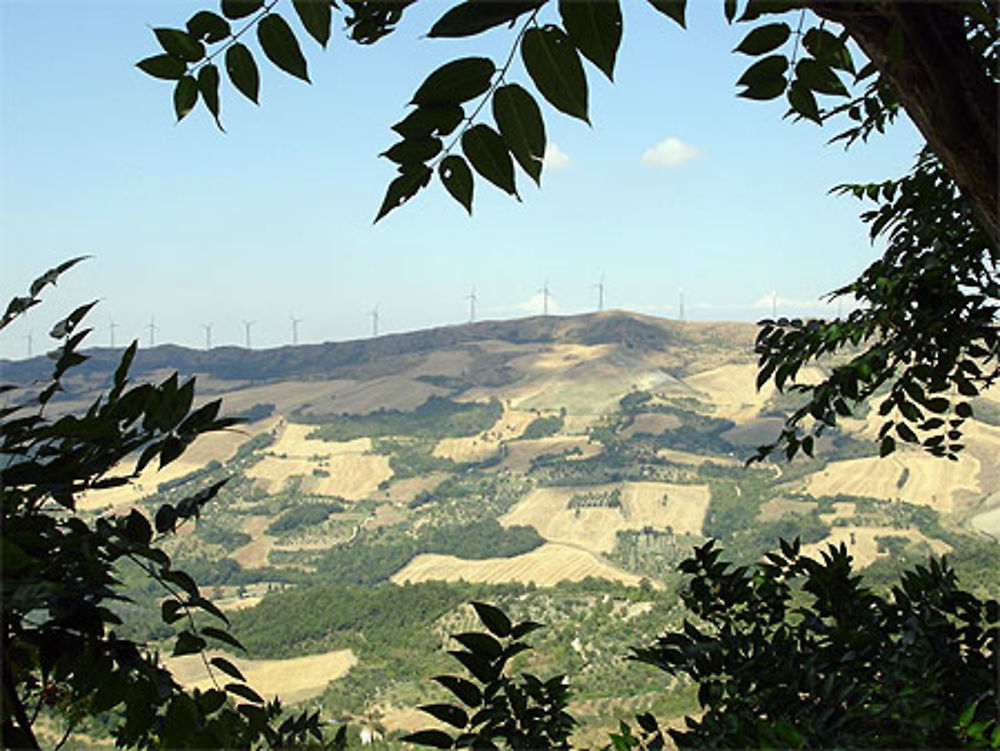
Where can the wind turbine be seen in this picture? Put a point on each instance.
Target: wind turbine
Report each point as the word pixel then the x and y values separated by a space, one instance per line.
pixel 153 328
pixel 471 297
pixel 31 338
pixel 545 298
pixel 374 315
pixel 111 328
pixel 295 329
pixel 600 293
pixel 246 327
pixel 680 306
pixel 208 335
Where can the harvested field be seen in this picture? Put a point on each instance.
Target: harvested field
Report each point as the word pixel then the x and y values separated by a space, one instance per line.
pixel 912 476
pixel 293 680
pixel 254 553
pixel 484 445
pixel 776 508
pixel 353 473
pixel 862 546
pixel 520 453
pixel 654 504
pixel 653 423
pixel 545 566
pixel 732 390
pixel 219 446
pixel 405 490
pixel 683 457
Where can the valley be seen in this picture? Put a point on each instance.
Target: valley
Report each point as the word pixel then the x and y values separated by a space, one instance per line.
pixel 559 467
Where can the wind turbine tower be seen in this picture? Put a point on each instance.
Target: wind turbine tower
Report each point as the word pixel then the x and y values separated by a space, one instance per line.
pixel 246 328
pixel 295 329
pixel 153 328
pixel 31 340
pixel 374 315
pixel 208 335
pixel 600 293
pixel 545 298
pixel 471 297
pixel 680 306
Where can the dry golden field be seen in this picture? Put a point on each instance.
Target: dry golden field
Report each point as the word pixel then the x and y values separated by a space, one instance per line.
pixel 861 544
pixel 219 446
pixel 913 476
pixel 652 422
pixel 293 680
pixel 545 566
pixel 681 507
pixel 484 445
pixel 353 473
pixel 520 453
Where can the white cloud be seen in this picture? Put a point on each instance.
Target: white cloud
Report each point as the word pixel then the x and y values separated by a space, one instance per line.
pixel 536 304
pixel 670 153
pixel 555 158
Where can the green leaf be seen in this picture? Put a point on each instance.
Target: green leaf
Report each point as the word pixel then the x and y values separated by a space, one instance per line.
pixel 457 179
pixel 488 155
pixel 227 667
pixel 905 432
pixel 208 86
pixel 764 39
pixel 493 618
pixel 316 18
pixel 402 189
pixel 281 47
pixel 523 628
pixel 456 82
pixel 223 636
pixel 166 518
pixel 162 66
pixel 475 16
pixel 244 692
pixel 765 79
pixel 185 96
pixel 180 44
pixel 730 10
pixel 887 446
pixel 413 150
pixel 828 49
pixel 803 102
pixel 520 122
pixel 447 713
pixel 429 121
pixel 188 644
pixel 480 644
pixel 233 9
pixel 819 77
pixel 595 29
pixel 170 611
pixel 208 27
pixel 672 9
pixel 554 65
pixel 432 738
pixel 466 691
pixel 242 71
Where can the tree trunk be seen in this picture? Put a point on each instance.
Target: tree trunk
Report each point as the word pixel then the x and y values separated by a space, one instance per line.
pixel 940 82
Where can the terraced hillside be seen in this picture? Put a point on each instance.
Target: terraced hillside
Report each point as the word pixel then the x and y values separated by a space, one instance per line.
pixel 558 466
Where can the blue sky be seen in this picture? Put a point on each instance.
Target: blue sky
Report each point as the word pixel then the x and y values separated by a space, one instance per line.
pixel 678 184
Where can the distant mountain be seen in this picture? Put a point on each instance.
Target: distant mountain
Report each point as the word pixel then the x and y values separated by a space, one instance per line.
pixel 337 359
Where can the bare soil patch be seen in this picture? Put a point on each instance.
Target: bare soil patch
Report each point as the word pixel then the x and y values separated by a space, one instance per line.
pixel 545 566
pixel 520 453
pixel 654 504
pixel 293 680
pixel 863 547
pixel 912 476
pixel 653 423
